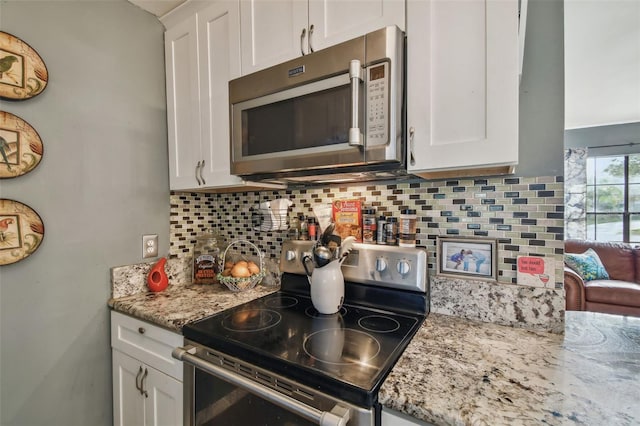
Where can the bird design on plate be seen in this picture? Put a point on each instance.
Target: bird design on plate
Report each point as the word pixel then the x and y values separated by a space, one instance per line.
pixel 21 231
pixel 23 73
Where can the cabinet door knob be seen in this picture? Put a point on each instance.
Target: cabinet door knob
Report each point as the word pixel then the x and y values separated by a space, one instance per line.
pixel 302 35
pixel 310 34
pixel 141 330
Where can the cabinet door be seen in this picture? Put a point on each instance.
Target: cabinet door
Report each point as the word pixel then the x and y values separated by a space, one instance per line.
pixel 462 105
pixel 164 401
pixel 337 21
pixel 219 51
pixel 271 32
pixel 183 118
pixel 128 404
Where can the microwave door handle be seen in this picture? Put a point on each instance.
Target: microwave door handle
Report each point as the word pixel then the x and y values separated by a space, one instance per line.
pixel 355 75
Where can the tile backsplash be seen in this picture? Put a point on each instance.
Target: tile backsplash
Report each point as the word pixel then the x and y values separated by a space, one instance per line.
pixel 524 215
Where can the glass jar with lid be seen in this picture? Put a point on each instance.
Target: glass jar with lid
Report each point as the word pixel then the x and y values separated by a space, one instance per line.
pixel 207 257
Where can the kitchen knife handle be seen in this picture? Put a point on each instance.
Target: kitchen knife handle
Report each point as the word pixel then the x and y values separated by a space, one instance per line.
pixel 355 75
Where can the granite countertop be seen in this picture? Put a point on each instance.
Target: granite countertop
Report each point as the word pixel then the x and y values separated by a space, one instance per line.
pixel 458 372
pixel 461 372
pixel 182 304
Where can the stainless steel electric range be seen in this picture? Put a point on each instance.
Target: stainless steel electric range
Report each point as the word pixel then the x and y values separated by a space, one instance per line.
pixel 277 361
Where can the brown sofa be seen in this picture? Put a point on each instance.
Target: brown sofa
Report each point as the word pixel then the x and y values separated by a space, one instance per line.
pixel 620 294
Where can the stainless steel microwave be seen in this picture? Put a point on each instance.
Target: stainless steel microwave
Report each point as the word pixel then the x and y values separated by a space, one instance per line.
pixel 334 115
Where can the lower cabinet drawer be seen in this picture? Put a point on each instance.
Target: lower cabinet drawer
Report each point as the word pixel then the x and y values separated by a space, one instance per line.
pixel 147 342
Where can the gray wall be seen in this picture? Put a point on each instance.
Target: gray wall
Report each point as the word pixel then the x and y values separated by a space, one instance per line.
pixel 542 91
pixel 102 183
pixel 618 139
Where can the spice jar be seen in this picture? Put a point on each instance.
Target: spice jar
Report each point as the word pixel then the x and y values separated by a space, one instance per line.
pixel 407 228
pixel 391 231
pixel 369 226
pixel 380 237
pixel 207 255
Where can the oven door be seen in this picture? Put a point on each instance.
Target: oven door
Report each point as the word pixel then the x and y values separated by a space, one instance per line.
pixel 221 390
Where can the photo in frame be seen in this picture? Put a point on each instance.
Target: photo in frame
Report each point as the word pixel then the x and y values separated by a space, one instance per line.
pixel 467 257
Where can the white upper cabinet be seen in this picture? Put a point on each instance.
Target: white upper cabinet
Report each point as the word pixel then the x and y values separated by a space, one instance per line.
pixel 462 79
pixel 279 30
pixel 183 97
pixel 202 53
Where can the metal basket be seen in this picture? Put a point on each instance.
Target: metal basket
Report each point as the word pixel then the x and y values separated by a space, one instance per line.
pixel 242 284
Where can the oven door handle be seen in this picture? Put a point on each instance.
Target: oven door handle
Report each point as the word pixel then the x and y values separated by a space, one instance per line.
pixel 338 416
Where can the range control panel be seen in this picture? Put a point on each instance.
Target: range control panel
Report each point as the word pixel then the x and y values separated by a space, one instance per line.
pixel 380 265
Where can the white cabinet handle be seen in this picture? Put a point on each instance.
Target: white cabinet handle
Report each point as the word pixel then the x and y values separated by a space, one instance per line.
pixel 412 158
pixel 201 177
pixel 139 386
pixel 197 170
pixel 142 391
pixel 310 34
pixel 302 35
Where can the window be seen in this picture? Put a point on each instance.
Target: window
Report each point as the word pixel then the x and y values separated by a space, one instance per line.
pixel 613 198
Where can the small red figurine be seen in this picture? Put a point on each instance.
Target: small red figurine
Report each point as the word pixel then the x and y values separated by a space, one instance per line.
pixel 157 279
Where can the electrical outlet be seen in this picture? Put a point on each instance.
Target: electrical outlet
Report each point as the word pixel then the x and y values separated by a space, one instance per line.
pixel 149 246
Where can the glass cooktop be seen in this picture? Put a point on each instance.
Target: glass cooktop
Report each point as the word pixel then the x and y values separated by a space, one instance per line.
pixel 348 353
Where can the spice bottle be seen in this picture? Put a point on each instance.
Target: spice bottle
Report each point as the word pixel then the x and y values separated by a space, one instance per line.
pixel 369 226
pixel 407 228
pixel 294 227
pixel 312 228
pixel 380 237
pixel 304 228
pixel 391 231
pixel 207 254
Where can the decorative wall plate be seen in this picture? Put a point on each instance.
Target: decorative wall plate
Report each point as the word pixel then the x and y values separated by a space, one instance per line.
pixel 21 231
pixel 23 73
pixel 20 146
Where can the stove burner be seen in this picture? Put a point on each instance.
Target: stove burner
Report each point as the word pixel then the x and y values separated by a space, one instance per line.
pixel 379 323
pixel 248 320
pixel 342 346
pixel 313 313
pixel 281 302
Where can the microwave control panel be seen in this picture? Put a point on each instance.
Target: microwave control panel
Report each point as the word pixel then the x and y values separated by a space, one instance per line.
pixel 377 104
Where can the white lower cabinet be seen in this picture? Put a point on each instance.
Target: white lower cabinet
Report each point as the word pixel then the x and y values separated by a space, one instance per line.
pixel 147 381
pixel 394 418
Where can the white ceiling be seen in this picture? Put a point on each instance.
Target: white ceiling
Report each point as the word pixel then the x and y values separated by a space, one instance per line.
pixel 602 62
pixel 157 7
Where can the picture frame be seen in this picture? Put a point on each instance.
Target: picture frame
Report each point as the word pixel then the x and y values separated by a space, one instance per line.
pixel 467 258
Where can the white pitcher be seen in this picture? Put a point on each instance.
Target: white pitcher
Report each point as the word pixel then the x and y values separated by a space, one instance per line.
pixel 327 288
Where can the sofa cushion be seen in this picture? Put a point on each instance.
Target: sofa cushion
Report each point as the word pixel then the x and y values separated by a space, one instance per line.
pixel 617 258
pixel 587 265
pixel 613 292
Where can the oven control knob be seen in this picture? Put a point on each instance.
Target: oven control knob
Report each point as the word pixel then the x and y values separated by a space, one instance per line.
pixel 381 264
pixel 290 255
pixel 403 267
